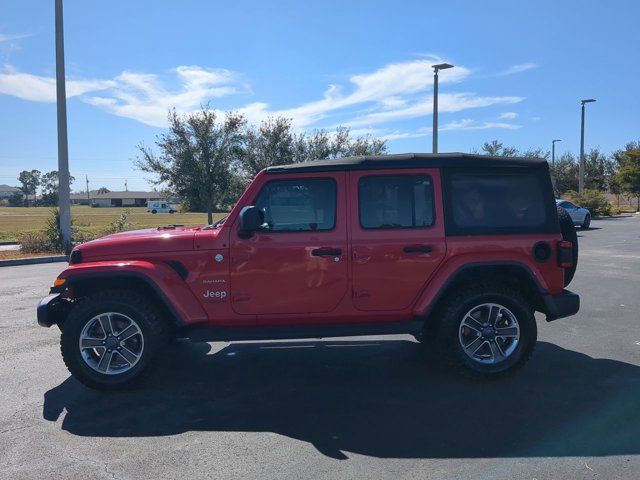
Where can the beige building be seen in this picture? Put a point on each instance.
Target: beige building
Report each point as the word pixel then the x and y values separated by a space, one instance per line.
pixel 124 199
pixel 7 190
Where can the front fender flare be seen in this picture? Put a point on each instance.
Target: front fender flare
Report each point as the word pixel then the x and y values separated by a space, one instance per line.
pixel 165 282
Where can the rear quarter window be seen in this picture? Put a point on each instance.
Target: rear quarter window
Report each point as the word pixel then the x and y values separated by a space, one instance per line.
pixel 485 202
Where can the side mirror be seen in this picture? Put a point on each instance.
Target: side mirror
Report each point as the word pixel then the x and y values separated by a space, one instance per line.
pixel 251 218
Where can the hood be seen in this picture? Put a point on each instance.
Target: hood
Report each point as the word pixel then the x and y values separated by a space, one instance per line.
pixel 135 242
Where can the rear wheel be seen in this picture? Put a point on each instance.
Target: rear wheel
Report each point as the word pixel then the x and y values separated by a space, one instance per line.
pixel 111 340
pixel 487 331
pixel 154 211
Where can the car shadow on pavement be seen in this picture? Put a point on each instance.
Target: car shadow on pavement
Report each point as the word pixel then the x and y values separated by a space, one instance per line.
pixel 376 398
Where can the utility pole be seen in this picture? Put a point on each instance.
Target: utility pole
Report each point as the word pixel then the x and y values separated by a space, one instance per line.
pixel 126 188
pixel 436 68
pixel 581 169
pixel 63 151
pixel 88 196
pixel 553 151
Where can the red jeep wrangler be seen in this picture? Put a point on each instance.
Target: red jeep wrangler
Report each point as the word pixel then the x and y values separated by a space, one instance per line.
pixel 458 250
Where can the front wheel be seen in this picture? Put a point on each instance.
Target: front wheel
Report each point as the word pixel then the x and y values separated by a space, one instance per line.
pixel 586 222
pixel 487 331
pixel 111 340
pixel 154 211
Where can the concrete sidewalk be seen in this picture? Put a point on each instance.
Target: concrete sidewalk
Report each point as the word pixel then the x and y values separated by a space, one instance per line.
pixel 33 260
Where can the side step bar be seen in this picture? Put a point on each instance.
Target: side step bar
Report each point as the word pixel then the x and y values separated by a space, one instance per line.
pixel 288 332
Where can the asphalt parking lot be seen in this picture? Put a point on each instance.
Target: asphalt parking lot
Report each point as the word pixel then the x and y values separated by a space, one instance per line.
pixel 347 408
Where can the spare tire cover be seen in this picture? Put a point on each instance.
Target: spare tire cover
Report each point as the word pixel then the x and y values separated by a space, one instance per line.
pixel 569 235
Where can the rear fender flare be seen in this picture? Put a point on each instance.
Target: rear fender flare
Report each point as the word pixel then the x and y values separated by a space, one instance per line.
pixel 447 276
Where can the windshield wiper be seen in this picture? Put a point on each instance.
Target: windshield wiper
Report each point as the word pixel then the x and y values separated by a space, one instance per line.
pixel 218 223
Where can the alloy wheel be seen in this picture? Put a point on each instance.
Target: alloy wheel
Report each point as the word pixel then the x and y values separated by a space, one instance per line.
pixel 489 333
pixel 111 343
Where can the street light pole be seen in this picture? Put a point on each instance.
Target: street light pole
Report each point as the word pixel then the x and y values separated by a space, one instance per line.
pixel 581 168
pixel 436 68
pixel 63 152
pixel 553 151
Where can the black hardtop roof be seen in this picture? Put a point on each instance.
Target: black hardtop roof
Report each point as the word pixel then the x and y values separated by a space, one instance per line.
pixel 408 160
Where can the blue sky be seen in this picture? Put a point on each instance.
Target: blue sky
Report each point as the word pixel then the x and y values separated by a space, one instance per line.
pixel 521 69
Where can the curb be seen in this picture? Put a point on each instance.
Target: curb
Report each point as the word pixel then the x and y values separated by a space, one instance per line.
pixel 9 243
pixel 32 260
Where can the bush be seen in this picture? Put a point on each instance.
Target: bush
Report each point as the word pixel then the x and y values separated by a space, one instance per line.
pixel 121 224
pixel 49 240
pixel 596 201
pixel 82 236
pixel 53 231
pixel 36 242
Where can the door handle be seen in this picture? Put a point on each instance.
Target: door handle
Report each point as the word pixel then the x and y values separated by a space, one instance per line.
pixel 333 252
pixel 417 249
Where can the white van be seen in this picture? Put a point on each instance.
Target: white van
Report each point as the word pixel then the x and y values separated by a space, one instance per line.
pixel 159 206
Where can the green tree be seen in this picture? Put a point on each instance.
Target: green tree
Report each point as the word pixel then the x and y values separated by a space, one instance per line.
pixel 620 156
pixel 271 143
pixel 496 148
pixel 16 199
pixel 49 183
pixel 102 190
pixel 196 157
pixel 629 173
pixel 598 169
pixel 535 153
pixel 564 173
pixel 323 144
pixel 30 181
pixel 616 187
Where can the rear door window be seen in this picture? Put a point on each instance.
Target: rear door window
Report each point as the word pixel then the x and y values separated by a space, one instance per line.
pixel 395 201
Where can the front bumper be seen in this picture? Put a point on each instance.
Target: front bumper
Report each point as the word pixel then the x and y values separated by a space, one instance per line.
pixel 563 305
pixel 49 310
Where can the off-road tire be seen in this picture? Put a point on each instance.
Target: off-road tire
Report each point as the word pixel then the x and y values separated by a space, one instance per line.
pixel 137 307
pixel 569 234
pixel 452 313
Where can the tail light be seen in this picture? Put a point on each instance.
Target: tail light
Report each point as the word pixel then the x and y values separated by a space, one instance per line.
pixel 565 254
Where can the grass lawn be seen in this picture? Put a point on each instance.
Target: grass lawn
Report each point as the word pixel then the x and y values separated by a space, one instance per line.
pixel 13 254
pixel 16 220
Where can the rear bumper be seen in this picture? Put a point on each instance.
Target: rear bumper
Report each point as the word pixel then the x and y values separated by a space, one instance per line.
pixel 49 310
pixel 563 305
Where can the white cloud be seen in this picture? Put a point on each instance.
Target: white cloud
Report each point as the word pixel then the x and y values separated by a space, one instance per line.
pixel 395 92
pixel 8 37
pixel 43 89
pixel 468 124
pixel 447 102
pixel 388 88
pixel 464 124
pixel 522 67
pixel 508 115
pixel 142 97
pixel 535 119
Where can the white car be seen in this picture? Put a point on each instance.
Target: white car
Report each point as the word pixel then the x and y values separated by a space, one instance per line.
pixel 159 207
pixel 580 215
